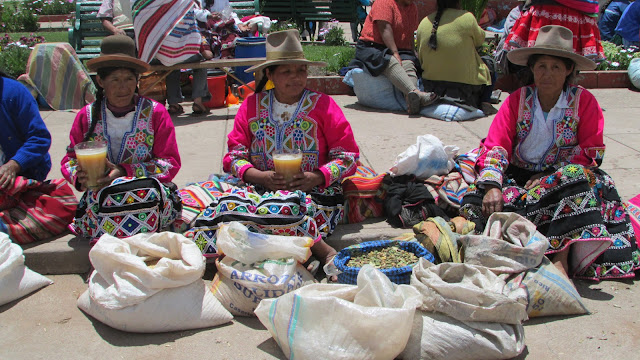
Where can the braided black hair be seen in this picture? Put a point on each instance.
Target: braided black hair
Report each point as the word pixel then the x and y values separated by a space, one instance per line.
pixel 442 6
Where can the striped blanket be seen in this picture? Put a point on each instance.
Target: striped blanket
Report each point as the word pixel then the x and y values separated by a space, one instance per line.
pixel 166 30
pixel 55 72
pixel 32 210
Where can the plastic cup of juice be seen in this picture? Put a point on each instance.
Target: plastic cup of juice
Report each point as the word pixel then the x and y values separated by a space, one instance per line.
pixel 287 163
pixel 92 156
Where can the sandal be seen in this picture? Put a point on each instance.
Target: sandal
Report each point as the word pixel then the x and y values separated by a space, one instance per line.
pixel 199 109
pixel 175 109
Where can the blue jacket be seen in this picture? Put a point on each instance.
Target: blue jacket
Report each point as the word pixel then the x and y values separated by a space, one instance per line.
pixel 629 24
pixel 610 17
pixel 23 135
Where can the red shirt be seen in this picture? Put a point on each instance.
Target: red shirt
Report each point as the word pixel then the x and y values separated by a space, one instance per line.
pixel 403 20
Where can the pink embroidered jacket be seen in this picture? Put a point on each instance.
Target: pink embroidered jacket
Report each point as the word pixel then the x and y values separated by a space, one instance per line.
pixel 149 150
pixel 578 135
pixel 317 127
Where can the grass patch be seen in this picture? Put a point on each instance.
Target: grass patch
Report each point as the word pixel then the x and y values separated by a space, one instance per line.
pixel 337 57
pixel 49 36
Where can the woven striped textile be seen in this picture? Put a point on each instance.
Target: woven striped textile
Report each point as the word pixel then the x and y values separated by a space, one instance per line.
pixel 361 195
pixel 633 208
pixel 55 72
pixel 32 210
pixel 166 30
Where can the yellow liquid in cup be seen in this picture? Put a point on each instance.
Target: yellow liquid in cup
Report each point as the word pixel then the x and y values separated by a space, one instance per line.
pixel 287 165
pixel 94 163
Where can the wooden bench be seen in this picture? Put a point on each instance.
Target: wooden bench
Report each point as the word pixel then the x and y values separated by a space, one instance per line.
pixel 311 10
pixel 245 7
pixel 87 31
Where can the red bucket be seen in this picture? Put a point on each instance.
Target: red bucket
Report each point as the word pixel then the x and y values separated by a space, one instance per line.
pixel 217 88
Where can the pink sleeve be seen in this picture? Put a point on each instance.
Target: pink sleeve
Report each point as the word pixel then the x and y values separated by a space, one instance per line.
pixel 69 162
pixel 343 152
pixel 165 161
pixel 590 149
pixel 236 161
pixel 496 149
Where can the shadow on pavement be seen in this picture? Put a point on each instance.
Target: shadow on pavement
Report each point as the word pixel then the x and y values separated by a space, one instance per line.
pixel 121 338
pixel 271 347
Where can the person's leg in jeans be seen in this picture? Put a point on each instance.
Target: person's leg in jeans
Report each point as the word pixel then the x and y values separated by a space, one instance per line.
pixel 404 78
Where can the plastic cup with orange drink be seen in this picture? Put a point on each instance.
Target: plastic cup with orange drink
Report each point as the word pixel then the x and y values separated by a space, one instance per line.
pixel 92 157
pixel 287 163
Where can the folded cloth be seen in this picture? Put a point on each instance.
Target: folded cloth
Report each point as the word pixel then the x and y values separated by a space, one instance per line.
pixel 32 210
pixel 165 29
pixel 55 72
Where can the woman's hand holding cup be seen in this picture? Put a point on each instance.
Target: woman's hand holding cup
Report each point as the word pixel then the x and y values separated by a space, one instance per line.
pixel 113 172
pixel 306 181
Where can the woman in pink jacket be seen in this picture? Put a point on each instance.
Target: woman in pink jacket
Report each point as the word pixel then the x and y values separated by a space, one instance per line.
pixel 541 159
pixel 141 143
pixel 287 117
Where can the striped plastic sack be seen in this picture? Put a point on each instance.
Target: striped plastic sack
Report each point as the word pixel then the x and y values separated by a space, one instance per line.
pixel 349 275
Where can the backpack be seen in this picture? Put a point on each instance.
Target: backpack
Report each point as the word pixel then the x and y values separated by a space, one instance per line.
pixel 126 207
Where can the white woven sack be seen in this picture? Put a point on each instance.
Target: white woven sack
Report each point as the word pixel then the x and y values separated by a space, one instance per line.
pixel 150 283
pixel 258 266
pixel 16 280
pixel 187 307
pixel 335 321
pixel 438 336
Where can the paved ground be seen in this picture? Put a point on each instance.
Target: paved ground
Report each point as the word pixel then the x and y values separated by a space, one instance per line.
pixel 48 324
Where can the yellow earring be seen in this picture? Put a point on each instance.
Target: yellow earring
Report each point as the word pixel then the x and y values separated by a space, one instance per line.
pixel 269 85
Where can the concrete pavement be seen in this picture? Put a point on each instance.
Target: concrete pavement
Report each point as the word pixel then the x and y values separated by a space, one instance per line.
pixel 48 324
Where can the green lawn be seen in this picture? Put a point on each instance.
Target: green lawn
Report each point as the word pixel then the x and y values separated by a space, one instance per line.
pixel 49 36
pixel 337 57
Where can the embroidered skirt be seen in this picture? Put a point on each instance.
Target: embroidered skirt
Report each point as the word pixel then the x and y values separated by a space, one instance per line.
pixel 282 212
pixel 574 207
pixel 586 35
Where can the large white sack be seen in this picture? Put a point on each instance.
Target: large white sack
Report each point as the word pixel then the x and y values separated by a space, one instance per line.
pixel 187 307
pixel 150 283
pixel 438 336
pixel 512 245
pixel 16 280
pixel 334 321
pixel 468 293
pixel 125 275
pixel 509 244
pixel 258 266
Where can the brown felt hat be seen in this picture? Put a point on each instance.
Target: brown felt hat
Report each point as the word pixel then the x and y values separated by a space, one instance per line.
pixel 284 47
pixel 118 51
pixel 552 40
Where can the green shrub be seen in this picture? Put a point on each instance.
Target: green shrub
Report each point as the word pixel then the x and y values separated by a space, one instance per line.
pixel 13 59
pixel 54 7
pixel 618 57
pixel 18 16
pixel 332 34
pixel 284 25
